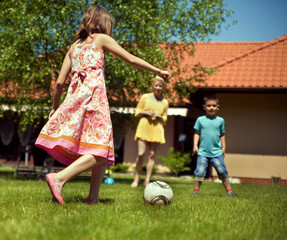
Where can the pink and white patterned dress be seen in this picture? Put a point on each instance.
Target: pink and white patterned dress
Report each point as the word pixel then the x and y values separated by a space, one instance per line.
pixel 82 124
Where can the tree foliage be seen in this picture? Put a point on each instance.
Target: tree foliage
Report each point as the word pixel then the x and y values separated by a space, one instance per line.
pixel 33 38
pixel 35 34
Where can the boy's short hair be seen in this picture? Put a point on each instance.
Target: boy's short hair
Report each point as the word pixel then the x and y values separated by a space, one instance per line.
pixel 210 97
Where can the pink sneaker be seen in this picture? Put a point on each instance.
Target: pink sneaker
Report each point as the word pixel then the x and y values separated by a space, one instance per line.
pixel 51 180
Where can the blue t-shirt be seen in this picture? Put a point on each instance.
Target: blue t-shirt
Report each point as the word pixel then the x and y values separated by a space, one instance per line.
pixel 210 131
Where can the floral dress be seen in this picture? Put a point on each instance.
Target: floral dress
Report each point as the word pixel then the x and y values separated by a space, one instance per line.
pixel 82 124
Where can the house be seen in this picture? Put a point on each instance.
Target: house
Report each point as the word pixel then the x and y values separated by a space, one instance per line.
pixel 251 84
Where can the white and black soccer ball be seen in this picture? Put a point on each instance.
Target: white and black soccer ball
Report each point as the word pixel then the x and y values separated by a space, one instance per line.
pixel 158 193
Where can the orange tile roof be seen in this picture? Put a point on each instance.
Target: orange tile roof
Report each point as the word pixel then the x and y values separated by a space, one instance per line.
pixel 261 65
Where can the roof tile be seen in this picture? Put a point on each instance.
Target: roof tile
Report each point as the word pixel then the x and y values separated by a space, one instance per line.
pixel 243 64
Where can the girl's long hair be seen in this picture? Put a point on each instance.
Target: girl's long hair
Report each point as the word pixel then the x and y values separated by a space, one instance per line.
pixel 95 20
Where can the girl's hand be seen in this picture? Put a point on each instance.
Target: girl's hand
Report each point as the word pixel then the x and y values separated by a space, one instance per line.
pixel 147 113
pixel 164 75
pixel 153 114
pixel 157 116
pixel 51 113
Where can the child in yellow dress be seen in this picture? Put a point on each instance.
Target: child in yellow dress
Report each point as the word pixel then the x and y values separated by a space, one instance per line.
pixel 152 110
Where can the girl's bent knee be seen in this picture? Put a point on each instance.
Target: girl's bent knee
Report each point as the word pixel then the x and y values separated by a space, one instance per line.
pixel 100 160
pixel 140 155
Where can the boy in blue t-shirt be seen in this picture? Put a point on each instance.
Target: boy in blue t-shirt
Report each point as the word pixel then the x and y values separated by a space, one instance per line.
pixel 209 129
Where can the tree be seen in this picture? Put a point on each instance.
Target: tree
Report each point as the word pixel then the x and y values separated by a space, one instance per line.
pixel 35 34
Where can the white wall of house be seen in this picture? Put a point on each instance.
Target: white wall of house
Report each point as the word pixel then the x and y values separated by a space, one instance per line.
pixel 256 134
pixel 255 166
pixel 255 123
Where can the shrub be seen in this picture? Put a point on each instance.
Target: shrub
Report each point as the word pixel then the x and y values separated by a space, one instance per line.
pixel 176 161
pixel 119 168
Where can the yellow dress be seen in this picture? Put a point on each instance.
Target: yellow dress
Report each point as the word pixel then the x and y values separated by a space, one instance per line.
pixel 151 129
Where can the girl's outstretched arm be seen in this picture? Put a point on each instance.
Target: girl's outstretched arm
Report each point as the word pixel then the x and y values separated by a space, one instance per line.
pixel 107 43
pixel 64 72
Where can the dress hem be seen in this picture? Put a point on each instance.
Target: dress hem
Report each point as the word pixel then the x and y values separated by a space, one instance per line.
pixel 57 150
pixel 148 140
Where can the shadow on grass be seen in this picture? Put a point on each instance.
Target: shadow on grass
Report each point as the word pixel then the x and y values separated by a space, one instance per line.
pixel 9 175
pixel 122 179
pixel 105 201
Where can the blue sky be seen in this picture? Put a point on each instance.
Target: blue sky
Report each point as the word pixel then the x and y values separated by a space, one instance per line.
pixel 258 20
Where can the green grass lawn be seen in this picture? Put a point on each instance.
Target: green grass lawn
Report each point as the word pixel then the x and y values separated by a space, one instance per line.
pixel 27 212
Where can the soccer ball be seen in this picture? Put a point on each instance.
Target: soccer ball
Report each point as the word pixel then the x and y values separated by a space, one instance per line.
pixel 158 193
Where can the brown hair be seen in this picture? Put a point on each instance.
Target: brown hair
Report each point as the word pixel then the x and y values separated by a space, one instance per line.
pixel 95 20
pixel 210 97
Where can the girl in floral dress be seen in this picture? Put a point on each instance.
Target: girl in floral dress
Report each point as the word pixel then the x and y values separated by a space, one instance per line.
pixel 79 131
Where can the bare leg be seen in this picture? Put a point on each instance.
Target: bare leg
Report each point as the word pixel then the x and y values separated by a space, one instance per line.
pixel 150 163
pixel 98 174
pixel 197 185
pixel 80 165
pixel 226 185
pixel 139 162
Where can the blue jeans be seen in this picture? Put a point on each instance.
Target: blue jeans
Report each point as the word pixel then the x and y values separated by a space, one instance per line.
pixel 217 163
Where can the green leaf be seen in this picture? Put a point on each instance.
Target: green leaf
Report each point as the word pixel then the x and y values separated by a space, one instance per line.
pixel 35 34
